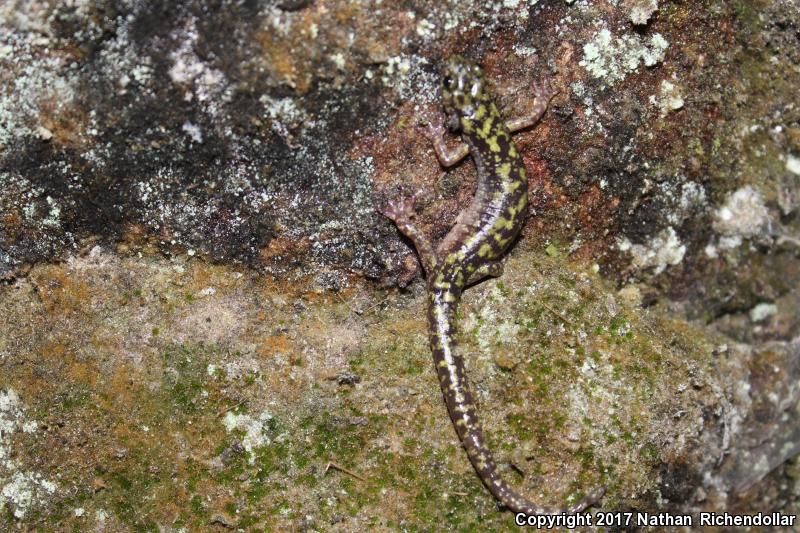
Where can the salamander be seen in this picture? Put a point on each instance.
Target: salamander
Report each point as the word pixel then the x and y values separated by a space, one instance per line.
pixel 473 248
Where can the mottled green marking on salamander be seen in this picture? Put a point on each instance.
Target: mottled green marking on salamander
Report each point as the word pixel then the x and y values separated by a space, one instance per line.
pixel 474 246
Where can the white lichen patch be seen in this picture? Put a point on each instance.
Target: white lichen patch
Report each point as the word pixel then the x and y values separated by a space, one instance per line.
pixel 611 58
pixel 425 29
pixel 663 250
pixel 491 324
pixel 682 199
pixel 134 69
pixel 339 60
pixel 730 242
pixel 640 11
pixel 742 215
pixel 763 311
pixel 793 164
pixel 100 516
pixel 193 131
pixel 255 431
pixel 692 195
pixel 407 76
pixel 54 214
pixel 284 114
pixel 507 331
pixel 188 69
pixel 476 323
pixel 19 489
pixel 44 81
pixel 523 50
pixel 669 98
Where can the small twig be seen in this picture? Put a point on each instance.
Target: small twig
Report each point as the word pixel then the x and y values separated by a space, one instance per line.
pixel 516 469
pixel 345 302
pixel 231 408
pixel 349 305
pixel 559 315
pixel 373 306
pixel 343 469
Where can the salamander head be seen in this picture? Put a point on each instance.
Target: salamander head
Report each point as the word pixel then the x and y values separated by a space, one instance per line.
pixel 463 91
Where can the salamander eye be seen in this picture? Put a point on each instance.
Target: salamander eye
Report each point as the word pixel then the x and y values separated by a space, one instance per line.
pixel 448 82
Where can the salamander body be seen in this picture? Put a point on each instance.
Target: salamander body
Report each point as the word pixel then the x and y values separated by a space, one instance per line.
pixel 474 246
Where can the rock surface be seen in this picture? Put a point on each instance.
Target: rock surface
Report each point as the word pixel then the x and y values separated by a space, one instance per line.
pixel 205 325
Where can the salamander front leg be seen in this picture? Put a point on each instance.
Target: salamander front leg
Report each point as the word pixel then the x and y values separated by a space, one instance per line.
pixel 543 94
pixel 434 131
pixel 401 212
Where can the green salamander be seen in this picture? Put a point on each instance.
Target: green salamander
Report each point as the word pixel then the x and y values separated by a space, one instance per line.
pixel 474 246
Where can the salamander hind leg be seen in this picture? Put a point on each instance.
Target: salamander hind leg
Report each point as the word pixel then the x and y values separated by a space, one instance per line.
pixel 493 269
